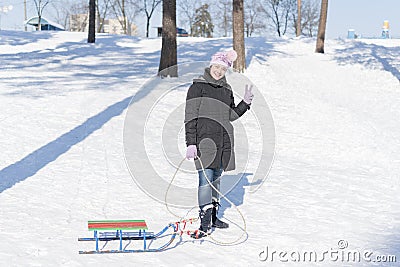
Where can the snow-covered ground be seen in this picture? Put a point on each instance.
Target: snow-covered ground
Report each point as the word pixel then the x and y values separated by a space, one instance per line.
pixel 333 186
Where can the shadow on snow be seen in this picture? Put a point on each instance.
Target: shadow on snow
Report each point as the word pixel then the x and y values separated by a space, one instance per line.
pixel 237 192
pixel 35 161
pixel 103 75
pixel 370 56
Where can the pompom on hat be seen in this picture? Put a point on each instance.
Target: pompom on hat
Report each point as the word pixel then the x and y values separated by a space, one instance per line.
pixel 224 58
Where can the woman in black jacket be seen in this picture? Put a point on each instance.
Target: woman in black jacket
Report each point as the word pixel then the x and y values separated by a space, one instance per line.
pixel 210 108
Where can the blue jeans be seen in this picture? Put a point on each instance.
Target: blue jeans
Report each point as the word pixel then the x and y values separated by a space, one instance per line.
pixel 206 194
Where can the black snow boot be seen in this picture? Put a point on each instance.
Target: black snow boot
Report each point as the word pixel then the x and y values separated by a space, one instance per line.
pixel 217 223
pixel 205 224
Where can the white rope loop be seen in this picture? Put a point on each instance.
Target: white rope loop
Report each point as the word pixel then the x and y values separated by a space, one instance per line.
pixel 244 231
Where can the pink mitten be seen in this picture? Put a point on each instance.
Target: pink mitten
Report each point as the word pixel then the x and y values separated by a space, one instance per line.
pixel 191 152
pixel 248 94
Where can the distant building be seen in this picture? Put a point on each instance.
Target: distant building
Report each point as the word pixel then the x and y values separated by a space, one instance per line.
pixel 45 24
pixel 80 23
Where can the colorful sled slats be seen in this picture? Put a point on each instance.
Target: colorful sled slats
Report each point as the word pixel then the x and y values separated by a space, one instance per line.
pixel 117 225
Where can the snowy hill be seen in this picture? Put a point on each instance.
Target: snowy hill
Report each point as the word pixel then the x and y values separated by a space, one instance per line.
pixel 333 185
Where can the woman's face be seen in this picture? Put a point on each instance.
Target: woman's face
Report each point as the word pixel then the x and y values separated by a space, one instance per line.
pixel 217 71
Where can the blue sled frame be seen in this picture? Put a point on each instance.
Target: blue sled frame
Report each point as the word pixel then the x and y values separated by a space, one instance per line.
pixel 128 235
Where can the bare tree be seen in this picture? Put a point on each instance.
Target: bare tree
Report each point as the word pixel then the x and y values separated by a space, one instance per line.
pixel 168 60
pixel 40 5
pixel 125 11
pixel 92 21
pixel 221 12
pixel 310 10
pixel 62 11
pixel 148 9
pixel 79 16
pixel 279 12
pixel 120 12
pixel 74 14
pixel 252 17
pixel 322 27
pixel 238 35
pixel 102 9
pixel 310 17
pixel 187 8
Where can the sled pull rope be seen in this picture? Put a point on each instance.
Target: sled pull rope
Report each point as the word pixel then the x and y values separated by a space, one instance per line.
pixel 244 231
pixel 181 219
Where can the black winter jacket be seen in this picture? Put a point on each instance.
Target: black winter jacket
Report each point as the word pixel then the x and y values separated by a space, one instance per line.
pixel 210 108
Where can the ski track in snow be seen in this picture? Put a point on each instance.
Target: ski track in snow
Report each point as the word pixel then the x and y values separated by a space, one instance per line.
pixel 335 175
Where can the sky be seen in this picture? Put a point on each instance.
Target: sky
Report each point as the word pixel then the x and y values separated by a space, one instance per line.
pixel 364 16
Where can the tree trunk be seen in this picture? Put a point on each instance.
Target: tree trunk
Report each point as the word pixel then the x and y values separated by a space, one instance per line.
pixel 92 22
pixel 147 27
pixel 40 23
pixel 278 21
pixel 298 26
pixel 25 17
pixel 322 27
pixel 168 60
pixel 238 35
pixel 124 26
pixel 225 22
pixel 101 14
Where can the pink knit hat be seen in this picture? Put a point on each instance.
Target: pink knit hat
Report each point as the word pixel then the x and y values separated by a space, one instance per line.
pixel 224 58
